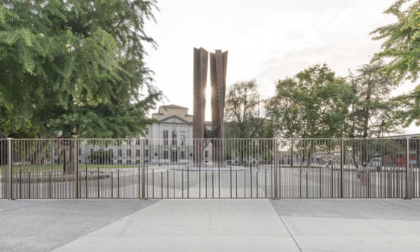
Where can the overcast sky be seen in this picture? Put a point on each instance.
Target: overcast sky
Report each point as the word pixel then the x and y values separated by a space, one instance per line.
pixel 267 40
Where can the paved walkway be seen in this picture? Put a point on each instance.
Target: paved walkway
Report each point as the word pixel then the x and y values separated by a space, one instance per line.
pixel 211 225
pixel 193 225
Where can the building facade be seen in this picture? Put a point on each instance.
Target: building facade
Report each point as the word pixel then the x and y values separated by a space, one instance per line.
pixel 168 140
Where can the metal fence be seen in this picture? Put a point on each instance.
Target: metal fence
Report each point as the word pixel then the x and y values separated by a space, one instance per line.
pixel 204 168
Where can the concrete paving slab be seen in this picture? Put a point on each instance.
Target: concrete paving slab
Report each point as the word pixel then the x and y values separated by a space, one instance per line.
pixel 386 209
pixel 338 234
pixel 193 225
pixel 43 225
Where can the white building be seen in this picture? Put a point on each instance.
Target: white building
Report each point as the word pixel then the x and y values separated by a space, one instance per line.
pixel 168 140
pixel 171 136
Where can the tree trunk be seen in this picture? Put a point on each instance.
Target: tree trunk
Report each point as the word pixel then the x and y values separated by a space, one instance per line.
pixel 40 146
pixel 67 155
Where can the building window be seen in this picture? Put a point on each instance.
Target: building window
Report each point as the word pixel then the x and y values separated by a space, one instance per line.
pixel 137 153
pixel 147 153
pixel 129 142
pixel 165 155
pixel 80 161
pixel 137 162
pixel 120 152
pixel 80 152
pixel 119 161
pixel 128 153
pixel 146 131
pixel 129 162
pixel 147 141
pixel 165 137
pixel 137 142
pixel 182 135
pixel 155 154
pixel 182 154
pixel 206 154
pixel 174 137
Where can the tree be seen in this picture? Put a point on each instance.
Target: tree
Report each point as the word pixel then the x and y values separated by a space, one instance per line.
pixel 372 108
pixel 323 98
pixel 242 112
pixel 244 118
pixel 316 95
pixel 401 43
pixel 76 68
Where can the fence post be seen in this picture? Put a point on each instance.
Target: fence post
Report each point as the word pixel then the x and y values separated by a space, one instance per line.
pixel 275 171
pixel 407 170
pixel 77 169
pixel 143 172
pixel 9 163
pixel 341 166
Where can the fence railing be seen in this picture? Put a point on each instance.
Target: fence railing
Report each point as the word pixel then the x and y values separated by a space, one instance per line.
pixel 209 168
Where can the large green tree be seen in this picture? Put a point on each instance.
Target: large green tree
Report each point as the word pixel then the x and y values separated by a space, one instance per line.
pixel 76 67
pixel 371 108
pixel 400 48
pixel 322 97
pixel 318 99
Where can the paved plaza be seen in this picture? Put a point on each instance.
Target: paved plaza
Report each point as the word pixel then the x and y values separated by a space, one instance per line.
pixel 210 225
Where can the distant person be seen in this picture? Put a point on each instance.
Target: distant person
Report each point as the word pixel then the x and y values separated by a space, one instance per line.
pixel 362 173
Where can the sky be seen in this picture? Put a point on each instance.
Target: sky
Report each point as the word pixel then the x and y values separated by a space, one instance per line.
pixel 267 40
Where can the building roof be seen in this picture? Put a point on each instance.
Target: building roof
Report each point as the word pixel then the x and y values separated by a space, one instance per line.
pixel 173 116
pixel 172 106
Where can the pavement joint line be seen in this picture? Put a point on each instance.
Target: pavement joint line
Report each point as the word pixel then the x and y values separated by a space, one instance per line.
pixel 235 232
pixel 286 227
pixel 320 250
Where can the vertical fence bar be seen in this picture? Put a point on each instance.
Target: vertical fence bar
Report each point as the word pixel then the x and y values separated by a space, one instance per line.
pixel 143 188
pixel 9 159
pixel 341 167
pixel 407 170
pixel 77 169
pixel 275 171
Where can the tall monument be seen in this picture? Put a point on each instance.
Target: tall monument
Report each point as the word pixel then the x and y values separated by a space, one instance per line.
pixel 218 68
pixel 200 83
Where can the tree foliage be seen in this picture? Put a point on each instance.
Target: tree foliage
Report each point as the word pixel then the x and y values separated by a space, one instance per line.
pixel 323 98
pixel 372 108
pixel 401 43
pixel 245 118
pixel 244 112
pixel 76 67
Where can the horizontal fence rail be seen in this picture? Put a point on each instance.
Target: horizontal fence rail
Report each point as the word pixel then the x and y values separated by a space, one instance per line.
pixel 208 168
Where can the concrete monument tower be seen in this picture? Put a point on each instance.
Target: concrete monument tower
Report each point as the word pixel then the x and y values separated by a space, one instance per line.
pixel 218 68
